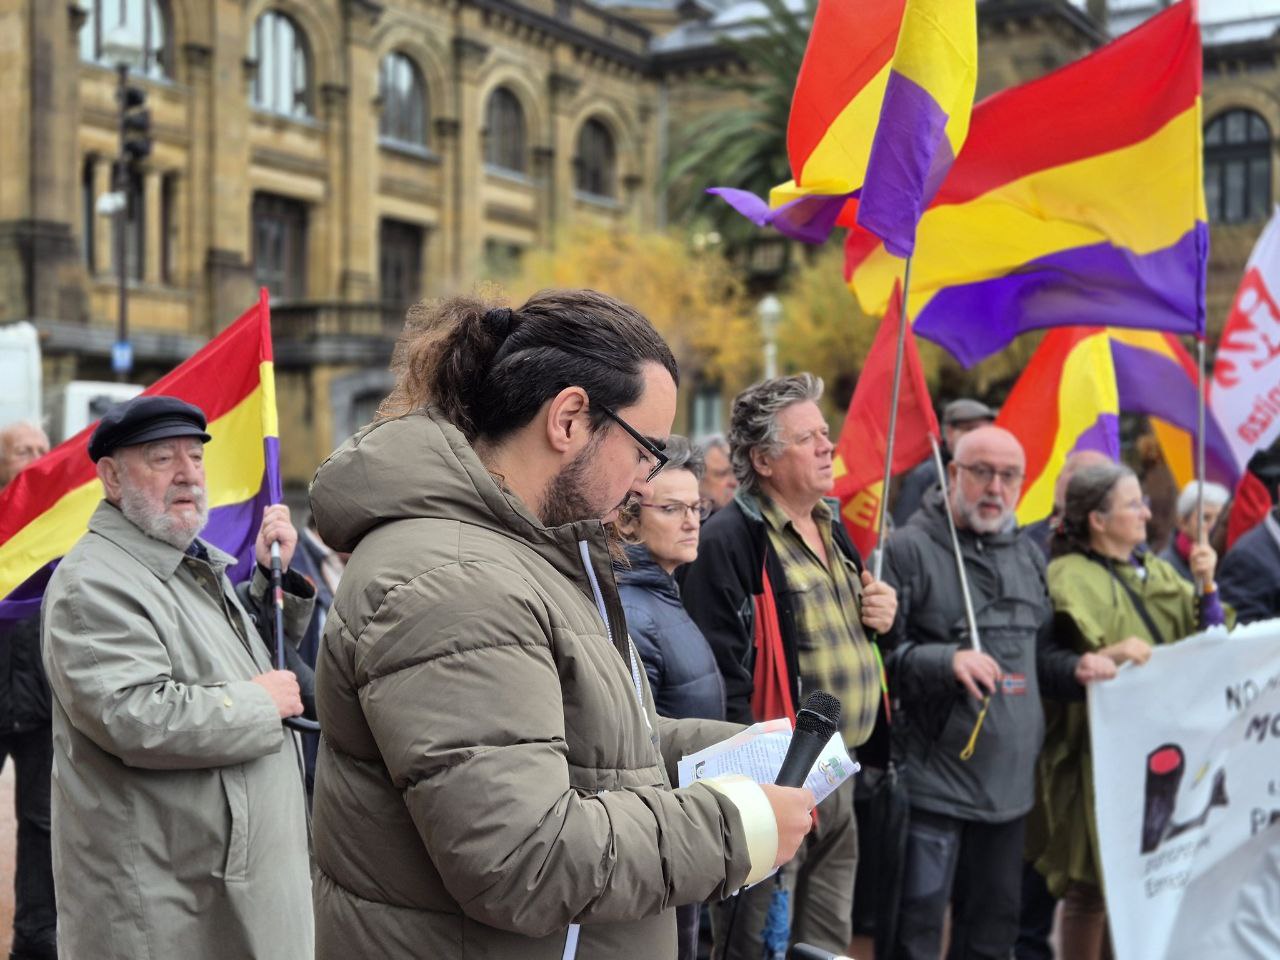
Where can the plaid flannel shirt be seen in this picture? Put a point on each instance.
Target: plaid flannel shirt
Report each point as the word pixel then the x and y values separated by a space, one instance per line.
pixel 834 652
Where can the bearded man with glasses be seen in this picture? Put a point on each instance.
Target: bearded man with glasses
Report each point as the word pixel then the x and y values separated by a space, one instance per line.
pixel 968 806
pixel 494 779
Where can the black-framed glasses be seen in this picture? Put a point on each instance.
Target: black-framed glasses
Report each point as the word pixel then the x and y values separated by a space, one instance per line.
pixel 984 473
pixel 660 459
pixel 701 509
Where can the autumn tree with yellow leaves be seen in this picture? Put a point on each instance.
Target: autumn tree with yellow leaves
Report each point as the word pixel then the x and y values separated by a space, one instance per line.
pixel 699 303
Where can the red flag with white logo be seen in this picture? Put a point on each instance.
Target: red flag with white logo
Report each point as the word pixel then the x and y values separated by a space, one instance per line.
pixel 1245 391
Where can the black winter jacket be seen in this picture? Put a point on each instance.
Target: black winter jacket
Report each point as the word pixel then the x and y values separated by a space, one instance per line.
pixel 1249 577
pixel 1006 574
pixel 720 587
pixel 24 690
pixel 682 669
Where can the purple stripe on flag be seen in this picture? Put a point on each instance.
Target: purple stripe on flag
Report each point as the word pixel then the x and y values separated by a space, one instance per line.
pixel 809 219
pixel 25 600
pixel 234 528
pixel 271 455
pixel 1158 386
pixel 1103 436
pixel 1100 285
pixel 910 156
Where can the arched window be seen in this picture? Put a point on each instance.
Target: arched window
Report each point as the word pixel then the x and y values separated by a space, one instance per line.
pixel 282 83
pixel 404 101
pixel 127 31
pixel 1237 167
pixel 504 145
pixel 596 163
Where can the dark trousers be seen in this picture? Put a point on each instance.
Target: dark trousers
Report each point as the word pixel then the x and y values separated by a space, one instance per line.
pixel 1036 925
pixel 820 882
pixel 981 863
pixel 35 914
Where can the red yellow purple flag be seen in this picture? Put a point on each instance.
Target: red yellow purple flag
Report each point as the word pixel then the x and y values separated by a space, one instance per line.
pixel 1078 199
pixel 880 110
pixel 1071 395
pixel 860 452
pixel 46 508
pixel 924 118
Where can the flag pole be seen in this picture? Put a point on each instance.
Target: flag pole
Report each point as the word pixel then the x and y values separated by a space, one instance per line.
pixel 969 615
pixel 1201 586
pixel 883 527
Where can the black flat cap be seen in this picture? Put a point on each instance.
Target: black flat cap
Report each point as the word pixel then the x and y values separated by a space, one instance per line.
pixel 144 419
pixel 965 409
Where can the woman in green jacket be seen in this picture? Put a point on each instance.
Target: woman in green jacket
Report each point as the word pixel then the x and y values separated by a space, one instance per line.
pixel 1110 596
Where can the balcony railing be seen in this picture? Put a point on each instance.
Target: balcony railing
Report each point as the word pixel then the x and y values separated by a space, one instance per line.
pixel 311 320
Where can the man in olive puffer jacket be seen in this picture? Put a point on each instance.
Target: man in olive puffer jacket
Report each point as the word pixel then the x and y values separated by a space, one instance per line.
pixel 494 781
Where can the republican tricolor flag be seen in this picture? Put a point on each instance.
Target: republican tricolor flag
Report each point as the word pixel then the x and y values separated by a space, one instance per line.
pixel 1078 199
pixel 1070 397
pixel 46 509
pixel 880 111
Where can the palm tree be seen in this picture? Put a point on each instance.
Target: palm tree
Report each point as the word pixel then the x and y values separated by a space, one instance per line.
pixel 744 146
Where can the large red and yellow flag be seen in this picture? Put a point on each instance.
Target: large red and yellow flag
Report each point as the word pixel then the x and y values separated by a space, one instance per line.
pixel 861 449
pixel 1078 198
pixel 46 509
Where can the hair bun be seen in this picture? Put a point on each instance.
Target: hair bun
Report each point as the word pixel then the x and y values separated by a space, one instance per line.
pixel 498 320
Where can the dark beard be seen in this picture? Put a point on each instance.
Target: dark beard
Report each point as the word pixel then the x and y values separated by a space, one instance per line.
pixel 566 500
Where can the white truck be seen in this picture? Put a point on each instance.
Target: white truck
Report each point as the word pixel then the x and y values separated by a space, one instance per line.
pixel 64 410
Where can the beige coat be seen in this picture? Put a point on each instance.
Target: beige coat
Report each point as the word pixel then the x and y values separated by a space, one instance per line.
pixel 179 821
pixel 492 770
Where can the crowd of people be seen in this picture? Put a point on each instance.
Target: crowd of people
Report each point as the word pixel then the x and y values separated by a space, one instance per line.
pixel 524 600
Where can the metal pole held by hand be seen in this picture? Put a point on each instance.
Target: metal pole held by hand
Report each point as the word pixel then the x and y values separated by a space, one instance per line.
pixel 277 600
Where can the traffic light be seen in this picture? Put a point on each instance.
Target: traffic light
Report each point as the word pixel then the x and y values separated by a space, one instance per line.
pixel 135 123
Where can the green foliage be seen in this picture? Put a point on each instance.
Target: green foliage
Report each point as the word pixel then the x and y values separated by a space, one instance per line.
pixel 743 144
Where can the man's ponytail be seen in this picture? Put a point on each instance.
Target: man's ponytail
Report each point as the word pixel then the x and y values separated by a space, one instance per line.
pixel 488 368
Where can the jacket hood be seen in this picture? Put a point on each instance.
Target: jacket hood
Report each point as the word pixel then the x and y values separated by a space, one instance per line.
pixel 645 574
pixel 420 466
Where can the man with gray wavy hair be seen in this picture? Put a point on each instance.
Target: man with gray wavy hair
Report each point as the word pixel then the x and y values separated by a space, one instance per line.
pixel 779 548
pixel 719 482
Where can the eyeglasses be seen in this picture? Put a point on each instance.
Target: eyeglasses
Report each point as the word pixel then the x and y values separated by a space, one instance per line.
pixel 1135 506
pixel 701 509
pixel 652 449
pixel 984 473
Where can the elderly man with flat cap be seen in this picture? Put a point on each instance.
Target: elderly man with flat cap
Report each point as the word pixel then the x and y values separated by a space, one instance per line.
pixel 179 823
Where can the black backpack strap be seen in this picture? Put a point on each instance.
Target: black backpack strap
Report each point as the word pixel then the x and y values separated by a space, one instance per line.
pixel 1156 636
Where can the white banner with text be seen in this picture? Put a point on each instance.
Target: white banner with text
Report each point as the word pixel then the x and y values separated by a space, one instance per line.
pixel 1186 759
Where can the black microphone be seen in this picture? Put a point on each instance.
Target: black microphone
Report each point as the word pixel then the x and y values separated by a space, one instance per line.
pixel 816 723
pixel 802 951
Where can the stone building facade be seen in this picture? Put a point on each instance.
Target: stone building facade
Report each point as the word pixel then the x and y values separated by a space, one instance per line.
pixel 354 156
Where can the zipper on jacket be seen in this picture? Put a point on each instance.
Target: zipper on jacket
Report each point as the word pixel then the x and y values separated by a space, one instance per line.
pixel 636 682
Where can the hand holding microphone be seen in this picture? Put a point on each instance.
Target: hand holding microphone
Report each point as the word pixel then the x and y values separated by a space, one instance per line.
pixel 816 723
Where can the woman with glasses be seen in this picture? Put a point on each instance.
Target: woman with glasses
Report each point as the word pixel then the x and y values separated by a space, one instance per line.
pixel 1110 596
pixel 661 533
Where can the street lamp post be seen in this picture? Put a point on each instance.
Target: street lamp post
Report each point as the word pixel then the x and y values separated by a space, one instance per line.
pixel 770 312
pixel 134 120
pixel 121 351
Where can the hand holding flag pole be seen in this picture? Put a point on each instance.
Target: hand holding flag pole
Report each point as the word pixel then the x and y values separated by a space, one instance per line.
pixel 970 617
pixel 277 601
